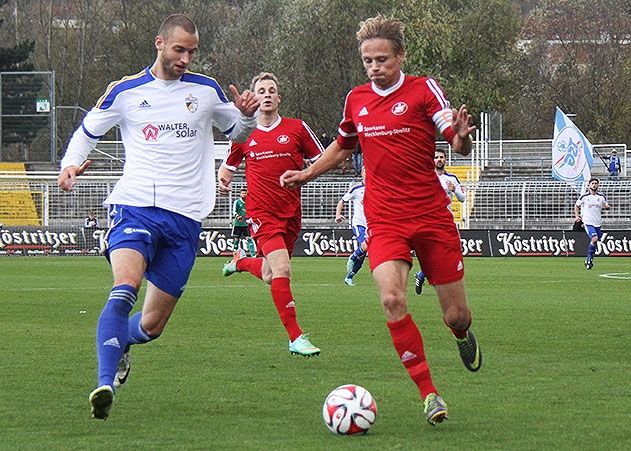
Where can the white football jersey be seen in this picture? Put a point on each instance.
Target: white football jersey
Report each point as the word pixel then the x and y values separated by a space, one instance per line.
pixel 356 194
pixel 166 128
pixel 591 206
pixel 459 191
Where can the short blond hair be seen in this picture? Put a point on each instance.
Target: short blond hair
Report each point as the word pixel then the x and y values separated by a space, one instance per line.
pixel 384 28
pixel 264 76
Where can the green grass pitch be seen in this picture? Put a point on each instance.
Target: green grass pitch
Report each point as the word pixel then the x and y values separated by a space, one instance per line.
pixel 557 371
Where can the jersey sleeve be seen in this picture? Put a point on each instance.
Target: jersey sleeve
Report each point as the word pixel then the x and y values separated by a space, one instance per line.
pixel 438 109
pixel 310 144
pixel 234 157
pixel 459 191
pixel 347 132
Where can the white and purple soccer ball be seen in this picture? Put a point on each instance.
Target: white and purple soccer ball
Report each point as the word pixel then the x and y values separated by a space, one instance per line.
pixel 349 409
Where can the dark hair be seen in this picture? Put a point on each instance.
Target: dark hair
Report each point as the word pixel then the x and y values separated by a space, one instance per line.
pixel 174 21
pixel 593 179
pixel 440 151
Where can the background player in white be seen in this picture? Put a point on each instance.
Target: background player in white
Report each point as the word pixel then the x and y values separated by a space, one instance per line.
pixel 588 208
pixel 166 115
pixel 453 188
pixel 358 224
pixel 274 212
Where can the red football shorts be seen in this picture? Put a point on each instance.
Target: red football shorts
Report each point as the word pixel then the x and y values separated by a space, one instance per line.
pixel 434 238
pixel 272 233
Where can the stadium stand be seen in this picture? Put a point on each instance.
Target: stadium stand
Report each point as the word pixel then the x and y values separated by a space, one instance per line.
pixel 506 192
pixel 17 200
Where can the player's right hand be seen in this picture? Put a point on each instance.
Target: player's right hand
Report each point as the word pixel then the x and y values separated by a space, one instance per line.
pixel 339 218
pixel 68 176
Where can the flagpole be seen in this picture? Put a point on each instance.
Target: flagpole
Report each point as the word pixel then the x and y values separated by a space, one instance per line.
pixel 601 158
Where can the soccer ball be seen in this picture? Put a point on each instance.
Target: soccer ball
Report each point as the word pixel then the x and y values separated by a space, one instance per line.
pixel 349 409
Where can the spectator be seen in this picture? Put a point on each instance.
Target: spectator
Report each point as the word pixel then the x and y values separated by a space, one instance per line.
pixel 614 164
pixel 91 221
pixel 325 139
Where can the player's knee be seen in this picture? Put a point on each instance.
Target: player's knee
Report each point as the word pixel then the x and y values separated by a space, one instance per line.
pixel 393 302
pixel 126 280
pixel 153 325
pixel 458 317
pixel 282 270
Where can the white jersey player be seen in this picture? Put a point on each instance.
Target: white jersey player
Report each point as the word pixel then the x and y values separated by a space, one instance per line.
pixel 166 115
pixel 588 208
pixel 449 182
pixel 359 226
pixel 453 188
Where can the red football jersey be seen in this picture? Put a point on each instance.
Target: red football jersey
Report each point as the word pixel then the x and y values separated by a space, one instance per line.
pixel 269 152
pixel 396 129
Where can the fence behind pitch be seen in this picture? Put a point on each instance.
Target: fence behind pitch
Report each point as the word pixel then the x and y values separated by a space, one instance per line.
pixel 489 205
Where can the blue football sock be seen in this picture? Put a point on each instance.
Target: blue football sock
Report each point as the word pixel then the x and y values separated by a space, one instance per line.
pixel 137 334
pixel 358 261
pixel 591 250
pixel 112 333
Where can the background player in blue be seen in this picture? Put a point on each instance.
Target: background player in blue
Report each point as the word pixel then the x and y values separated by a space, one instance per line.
pixel 358 224
pixel 614 166
pixel 588 208
pixel 166 115
pixel 453 188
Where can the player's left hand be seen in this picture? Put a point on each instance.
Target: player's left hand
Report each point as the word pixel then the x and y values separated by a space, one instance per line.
pixel 451 186
pixel 246 102
pixel 462 122
pixel 224 186
pixel 292 179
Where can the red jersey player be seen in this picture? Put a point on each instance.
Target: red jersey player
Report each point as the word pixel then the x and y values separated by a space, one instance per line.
pixel 274 212
pixel 395 118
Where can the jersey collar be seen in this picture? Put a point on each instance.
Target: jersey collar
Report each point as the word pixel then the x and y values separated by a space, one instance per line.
pixel 271 127
pixel 391 89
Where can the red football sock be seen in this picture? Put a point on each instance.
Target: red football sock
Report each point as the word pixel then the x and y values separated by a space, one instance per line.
pixel 408 343
pixel 252 265
pixel 284 302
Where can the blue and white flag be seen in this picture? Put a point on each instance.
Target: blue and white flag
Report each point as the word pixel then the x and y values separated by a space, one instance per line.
pixel 571 151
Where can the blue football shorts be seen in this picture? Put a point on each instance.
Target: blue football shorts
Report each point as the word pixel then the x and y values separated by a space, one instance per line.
pixel 166 239
pixel 593 231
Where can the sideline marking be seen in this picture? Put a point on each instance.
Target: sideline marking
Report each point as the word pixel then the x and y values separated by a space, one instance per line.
pixel 617 275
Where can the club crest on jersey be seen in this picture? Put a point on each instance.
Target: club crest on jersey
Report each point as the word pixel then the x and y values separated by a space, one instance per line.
pixel 283 139
pixel 399 108
pixel 191 103
pixel 151 132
